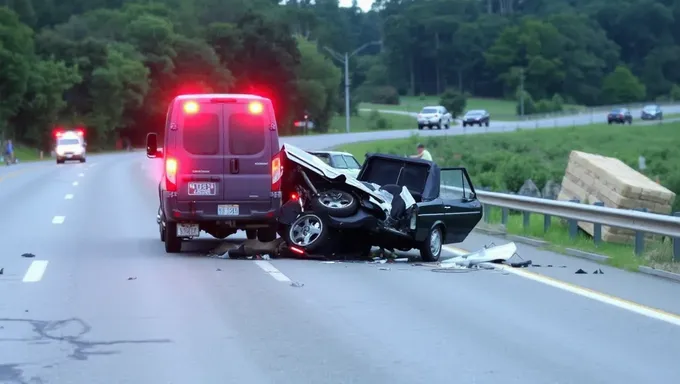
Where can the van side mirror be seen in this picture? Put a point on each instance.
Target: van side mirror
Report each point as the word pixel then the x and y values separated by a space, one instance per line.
pixel 152 151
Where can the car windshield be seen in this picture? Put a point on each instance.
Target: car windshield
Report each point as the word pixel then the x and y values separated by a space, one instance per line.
pixel 323 156
pixel 352 163
pixel 474 113
pixel 339 162
pixel 650 108
pixel 68 141
pixel 618 110
pixel 429 110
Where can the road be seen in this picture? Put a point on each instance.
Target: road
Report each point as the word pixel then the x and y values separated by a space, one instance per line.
pixel 101 302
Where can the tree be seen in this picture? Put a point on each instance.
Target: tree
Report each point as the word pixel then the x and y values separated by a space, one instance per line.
pixel 621 86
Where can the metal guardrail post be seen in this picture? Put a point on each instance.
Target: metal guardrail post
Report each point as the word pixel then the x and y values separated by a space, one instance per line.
pixel 676 244
pixel 573 224
pixel 640 238
pixel 526 220
pixel 547 219
pixel 597 228
pixel 486 209
pixel 504 215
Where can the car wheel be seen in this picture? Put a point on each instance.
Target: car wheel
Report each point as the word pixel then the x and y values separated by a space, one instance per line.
pixel 431 248
pixel 464 124
pixel 173 244
pixel 60 161
pixel 266 235
pixel 251 234
pixel 159 221
pixel 420 127
pixel 307 231
pixel 336 203
pixel 82 160
pixel 486 124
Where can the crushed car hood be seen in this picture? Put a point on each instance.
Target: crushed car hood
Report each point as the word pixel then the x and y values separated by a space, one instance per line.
pixel 318 166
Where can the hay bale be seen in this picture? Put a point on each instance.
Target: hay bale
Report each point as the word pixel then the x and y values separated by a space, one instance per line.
pixel 592 178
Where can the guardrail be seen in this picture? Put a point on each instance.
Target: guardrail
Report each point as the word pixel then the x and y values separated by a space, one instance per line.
pixel 640 221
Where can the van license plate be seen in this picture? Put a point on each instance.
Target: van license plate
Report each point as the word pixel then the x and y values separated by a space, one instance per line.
pixel 202 189
pixel 188 230
pixel 227 210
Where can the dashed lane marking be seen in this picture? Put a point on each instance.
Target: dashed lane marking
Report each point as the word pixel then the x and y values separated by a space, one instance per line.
pixel 75 183
pixel 272 271
pixel 631 306
pixel 36 271
pixel 81 174
pixel 68 197
pixel 58 219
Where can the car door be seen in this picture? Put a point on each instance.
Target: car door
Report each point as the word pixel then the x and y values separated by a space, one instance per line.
pixel 248 155
pixel 198 152
pixel 461 211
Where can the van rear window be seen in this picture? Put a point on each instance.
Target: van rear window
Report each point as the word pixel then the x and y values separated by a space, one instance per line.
pixel 246 134
pixel 201 133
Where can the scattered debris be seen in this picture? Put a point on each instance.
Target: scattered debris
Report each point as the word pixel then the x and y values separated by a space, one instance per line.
pixel 219 270
pixel 548 266
pixel 383 269
pixel 132 278
pixel 297 284
pixel 598 272
pixel 328 262
pixel 249 249
pixel 400 260
pixel 581 272
pixel 27 255
pixel 2 271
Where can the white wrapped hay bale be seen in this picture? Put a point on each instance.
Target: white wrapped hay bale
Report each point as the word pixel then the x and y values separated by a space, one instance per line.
pixel 591 178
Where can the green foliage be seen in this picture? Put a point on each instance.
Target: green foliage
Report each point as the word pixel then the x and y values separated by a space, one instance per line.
pixel 378 122
pixel 454 101
pixel 621 86
pixel 503 161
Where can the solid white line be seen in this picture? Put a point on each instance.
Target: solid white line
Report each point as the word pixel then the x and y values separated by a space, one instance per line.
pixel 81 175
pixel 68 197
pixel 75 183
pixel 35 271
pixel 271 270
pixel 640 309
pixel 58 219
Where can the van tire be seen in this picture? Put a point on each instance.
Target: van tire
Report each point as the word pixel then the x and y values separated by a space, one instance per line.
pixel 340 204
pixel 251 234
pixel 173 244
pixel 266 235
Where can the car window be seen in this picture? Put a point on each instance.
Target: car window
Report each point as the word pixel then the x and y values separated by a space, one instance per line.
pixel 68 141
pixel 246 133
pixel 323 156
pixel 339 162
pixel 429 110
pixel 352 163
pixel 201 133
pixel 454 185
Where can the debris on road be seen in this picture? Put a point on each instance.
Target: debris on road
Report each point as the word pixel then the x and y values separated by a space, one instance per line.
pixel 598 272
pixel 27 255
pixel 132 278
pixel 383 269
pixel 492 254
pixel 2 271
pixel 296 284
pixel 249 249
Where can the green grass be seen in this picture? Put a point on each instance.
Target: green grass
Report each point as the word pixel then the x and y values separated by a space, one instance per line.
pixel 503 161
pixel 26 154
pixel 502 110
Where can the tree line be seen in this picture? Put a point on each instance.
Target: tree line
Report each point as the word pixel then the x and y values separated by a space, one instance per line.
pixel 114 65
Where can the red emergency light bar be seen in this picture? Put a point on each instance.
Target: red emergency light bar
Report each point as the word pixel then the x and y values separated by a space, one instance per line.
pixel 59 132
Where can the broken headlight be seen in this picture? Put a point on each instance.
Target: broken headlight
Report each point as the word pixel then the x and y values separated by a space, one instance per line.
pixel 414 218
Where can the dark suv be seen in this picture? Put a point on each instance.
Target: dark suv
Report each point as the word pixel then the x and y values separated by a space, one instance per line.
pixel 222 168
pixel 620 115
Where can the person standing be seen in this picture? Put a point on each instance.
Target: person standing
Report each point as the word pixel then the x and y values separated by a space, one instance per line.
pixel 423 153
pixel 9 152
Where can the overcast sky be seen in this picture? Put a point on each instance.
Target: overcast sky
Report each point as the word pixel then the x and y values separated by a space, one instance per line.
pixel 363 4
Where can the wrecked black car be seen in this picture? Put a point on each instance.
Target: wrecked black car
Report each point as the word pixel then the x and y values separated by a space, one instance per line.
pixel 395 203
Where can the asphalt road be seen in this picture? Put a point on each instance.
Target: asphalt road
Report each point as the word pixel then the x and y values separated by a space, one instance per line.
pixel 101 302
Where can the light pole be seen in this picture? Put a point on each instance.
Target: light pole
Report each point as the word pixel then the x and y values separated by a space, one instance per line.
pixel 344 59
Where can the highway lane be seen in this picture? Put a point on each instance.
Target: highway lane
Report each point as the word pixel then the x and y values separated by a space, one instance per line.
pixel 111 307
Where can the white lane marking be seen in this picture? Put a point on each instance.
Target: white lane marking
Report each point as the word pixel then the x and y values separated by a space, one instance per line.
pixel 640 309
pixel 81 174
pixel 58 219
pixel 75 183
pixel 35 271
pixel 271 270
pixel 68 197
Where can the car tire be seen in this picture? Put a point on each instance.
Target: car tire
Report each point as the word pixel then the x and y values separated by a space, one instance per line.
pixel 486 124
pixel 297 228
pixel 266 235
pixel 336 202
pixel 431 248
pixel 420 127
pixel 82 160
pixel 173 244
pixel 251 234
pixel 60 161
pixel 464 125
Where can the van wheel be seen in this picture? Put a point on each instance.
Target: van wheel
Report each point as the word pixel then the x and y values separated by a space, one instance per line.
pixel 336 203
pixel 251 234
pixel 173 244
pixel 308 231
pixel 431 248
pixel 266 235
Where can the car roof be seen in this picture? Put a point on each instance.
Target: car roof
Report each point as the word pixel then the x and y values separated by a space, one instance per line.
pixel 331 153
pixel 219 95
pixel 432 106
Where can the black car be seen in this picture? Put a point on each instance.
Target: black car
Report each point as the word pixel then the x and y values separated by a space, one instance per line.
pixel 651 112
pixel 620 116
pixel 476 117
pixel 395 203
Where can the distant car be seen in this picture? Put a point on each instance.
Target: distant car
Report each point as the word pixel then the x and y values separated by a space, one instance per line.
pixel 620 116
pixel 70 146
pixel 342 161
pixel 651 112
pixel 435 116
pixel 478 116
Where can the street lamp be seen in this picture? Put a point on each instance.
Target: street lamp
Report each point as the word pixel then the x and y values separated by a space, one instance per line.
pixel 344 59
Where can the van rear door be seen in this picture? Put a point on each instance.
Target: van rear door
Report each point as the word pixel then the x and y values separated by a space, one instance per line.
pixel 248 144
pixel 199 137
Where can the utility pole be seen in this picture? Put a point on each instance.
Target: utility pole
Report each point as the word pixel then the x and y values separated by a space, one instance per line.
pixel 344 59
pixel 521 91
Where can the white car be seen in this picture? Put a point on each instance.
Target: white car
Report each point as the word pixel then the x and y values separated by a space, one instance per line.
pixel 70 146
pixel 434 116
pixel 342 161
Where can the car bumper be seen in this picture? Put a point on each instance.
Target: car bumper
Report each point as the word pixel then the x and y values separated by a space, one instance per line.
pixel 202 212
pixel 428 121
pixel 70 157
pixel 473 121
pixel 649 117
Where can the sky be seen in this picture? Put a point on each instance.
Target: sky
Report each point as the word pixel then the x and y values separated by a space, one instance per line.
pixel 363 4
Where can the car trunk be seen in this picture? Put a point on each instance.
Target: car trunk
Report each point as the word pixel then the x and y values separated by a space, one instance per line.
pixel 414 174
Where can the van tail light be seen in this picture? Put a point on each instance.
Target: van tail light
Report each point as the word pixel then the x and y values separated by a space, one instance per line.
pixel 277 172
pixel 171 174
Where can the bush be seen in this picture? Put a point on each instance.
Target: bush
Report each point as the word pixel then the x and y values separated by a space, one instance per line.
pixel 377 122
pixel 453 100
